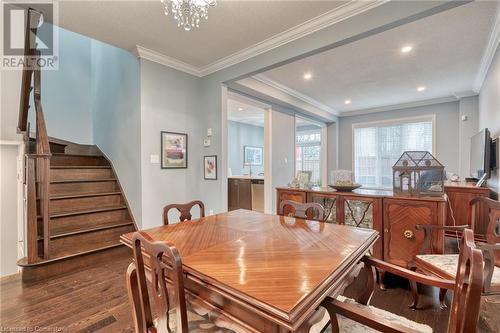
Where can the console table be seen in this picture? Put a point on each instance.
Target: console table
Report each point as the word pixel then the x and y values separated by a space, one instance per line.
pixel 393 216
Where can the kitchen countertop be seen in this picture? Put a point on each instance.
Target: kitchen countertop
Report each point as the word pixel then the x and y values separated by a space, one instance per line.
pixel 246 177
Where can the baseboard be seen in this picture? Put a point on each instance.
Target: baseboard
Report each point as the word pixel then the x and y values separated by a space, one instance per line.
pixel 10 277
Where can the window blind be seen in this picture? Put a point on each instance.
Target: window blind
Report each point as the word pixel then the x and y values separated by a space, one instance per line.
pixel 377 147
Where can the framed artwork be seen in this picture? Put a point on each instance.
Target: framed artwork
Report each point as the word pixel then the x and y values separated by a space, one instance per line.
pixel 252 155
pixel 210 167
pixel 174 150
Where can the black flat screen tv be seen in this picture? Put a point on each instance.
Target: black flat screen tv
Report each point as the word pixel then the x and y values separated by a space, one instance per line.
pixel 480 153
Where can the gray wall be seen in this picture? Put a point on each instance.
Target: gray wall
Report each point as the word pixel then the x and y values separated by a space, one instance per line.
pixel 67 111
pixel 468 107
pixel 169 102
pixel 282 150
pixel 238 136
pixel 447 133
pixel 115 107
pixel 332 149
pixel 489 109
pixel 8 210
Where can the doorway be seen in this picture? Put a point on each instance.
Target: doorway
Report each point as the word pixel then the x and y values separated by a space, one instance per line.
pixel 247 161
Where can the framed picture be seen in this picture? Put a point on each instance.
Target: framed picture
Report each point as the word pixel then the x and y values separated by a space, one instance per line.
pixel 252 155
pixel 210 167
pixel 174 150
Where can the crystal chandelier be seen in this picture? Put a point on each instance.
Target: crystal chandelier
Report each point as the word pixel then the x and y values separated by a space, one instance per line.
pixel 188 13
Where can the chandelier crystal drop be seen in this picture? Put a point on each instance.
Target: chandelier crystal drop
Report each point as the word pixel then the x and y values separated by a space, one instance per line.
pixel 188 13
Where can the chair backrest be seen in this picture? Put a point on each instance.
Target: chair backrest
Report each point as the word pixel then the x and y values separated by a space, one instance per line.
pixel 464 314
pixel 184 210
pixel 493 229
pixel 310 210
pixel 162 260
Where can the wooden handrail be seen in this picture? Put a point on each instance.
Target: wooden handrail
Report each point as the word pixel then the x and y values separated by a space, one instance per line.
pixel 26 77
pixel 37 169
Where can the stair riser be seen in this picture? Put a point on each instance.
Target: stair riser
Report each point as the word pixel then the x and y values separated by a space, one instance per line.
pixel 75 223
pixel 82 188
pixel 87 241
pixel 77 204
pixel 80 174
pixel 68 160
pixel 56 268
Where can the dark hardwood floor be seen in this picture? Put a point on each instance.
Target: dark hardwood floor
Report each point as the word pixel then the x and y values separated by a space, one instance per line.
pixel 95 300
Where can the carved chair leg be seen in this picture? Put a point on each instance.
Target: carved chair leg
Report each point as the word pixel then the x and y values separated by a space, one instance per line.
pixel 414 291
pixel 442 298
pixel 381 278
pixel 414 294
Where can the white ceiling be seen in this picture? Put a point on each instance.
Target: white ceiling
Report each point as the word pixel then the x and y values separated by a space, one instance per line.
pixel 246 113
pixel 231 27
pixel 373 72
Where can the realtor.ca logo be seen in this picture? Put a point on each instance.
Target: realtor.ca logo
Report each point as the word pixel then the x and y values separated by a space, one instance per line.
pixel 30 39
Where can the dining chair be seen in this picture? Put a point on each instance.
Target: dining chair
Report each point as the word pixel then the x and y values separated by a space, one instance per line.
pixel 310 210
pixel 348 315
pixel 445 265
pixel 174 316
pixel 184 210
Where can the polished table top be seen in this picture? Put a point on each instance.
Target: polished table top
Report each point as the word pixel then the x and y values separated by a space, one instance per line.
pixel 274 262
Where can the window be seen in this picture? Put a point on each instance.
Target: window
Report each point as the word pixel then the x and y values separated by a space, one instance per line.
pixel 377 146
pixel 308 149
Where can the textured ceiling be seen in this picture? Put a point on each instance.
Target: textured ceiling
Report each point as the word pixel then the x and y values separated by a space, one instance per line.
pixel 373 72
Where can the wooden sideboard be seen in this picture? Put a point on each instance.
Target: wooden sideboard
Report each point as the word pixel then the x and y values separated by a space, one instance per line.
pixel 459 196
pixel 394 217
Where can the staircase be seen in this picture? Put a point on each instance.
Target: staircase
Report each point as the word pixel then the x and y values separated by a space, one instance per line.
pixel 74 205
pixel 87 212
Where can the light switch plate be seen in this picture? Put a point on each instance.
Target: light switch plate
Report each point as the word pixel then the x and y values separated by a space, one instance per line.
pixel 154 159
pixel 209 132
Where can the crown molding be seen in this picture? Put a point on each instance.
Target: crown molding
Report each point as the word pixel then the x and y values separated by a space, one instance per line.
pixel 338 14
pixel 489 53
pixel 414 104
pixel 287 90
pixel 463 94
pixel 144 53
pixel 341 13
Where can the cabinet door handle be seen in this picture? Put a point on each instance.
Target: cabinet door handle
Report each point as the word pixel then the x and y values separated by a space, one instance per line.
pixel 408 234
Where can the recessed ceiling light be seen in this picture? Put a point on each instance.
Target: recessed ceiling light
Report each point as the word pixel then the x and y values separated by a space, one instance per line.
pixel 347 101
pixel 406 49
pixel 421 88
pixel 240 109
pixel 308 76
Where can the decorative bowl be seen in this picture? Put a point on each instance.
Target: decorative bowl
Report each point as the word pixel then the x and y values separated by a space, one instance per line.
pixel 345 188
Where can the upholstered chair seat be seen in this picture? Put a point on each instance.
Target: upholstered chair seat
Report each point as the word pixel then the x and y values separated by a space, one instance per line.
pixel 350 326
pixel 448 263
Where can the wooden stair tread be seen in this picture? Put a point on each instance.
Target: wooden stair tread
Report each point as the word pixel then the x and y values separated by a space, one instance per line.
pixel 80 166
pixel 83 195
pixel 23 262
pixel 88 211
pixel 82 180
pixel 101 226
pixel 77 155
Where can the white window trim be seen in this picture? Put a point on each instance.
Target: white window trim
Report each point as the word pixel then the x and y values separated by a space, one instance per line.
pixel 324 147
pixel 397 121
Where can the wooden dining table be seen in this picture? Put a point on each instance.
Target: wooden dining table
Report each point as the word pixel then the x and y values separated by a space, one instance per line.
pixel 255 272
